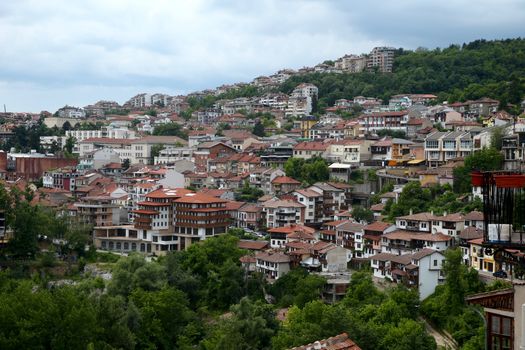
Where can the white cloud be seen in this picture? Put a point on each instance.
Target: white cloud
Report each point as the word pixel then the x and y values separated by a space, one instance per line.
pixel 76 52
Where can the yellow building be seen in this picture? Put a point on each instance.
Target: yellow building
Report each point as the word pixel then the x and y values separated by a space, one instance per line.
pixel 306 124
pixel 479 258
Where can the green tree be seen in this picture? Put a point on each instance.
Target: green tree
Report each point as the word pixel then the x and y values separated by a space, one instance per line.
pixel 360 214
pixel 258 129
pixel 70 144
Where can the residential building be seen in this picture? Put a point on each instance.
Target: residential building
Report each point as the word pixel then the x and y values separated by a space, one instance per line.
pixel 373 122
pixel 441 147
pixel 272 265
pixel 283 212
pixel 100 211
pixel 382 58
pixel 199 216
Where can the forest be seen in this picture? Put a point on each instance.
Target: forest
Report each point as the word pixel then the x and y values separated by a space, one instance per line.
pixel 482 68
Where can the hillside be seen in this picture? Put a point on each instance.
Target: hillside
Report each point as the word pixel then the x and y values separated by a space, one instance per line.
pixel 494 69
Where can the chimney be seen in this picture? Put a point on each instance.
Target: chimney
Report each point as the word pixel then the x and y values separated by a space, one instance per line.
pixel 445 213
pixel 431 213
pixel 411 211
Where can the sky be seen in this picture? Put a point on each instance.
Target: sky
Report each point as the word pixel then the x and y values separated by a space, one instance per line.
pixel 59 52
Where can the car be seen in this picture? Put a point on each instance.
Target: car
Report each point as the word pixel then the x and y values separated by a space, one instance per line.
pixel 500 274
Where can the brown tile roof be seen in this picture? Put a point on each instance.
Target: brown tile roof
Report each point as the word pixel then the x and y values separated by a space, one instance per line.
pixel 475 216
pixel 339 342
pixel 417 217
pixel 292 228
pixel 247 259
pixel 377 207
pixel 252 245
pixel 470 233
pixel 377 226
pixel 310 146
pixel 423 252
pixel 285 180
pixel 308 193
pixel 276 257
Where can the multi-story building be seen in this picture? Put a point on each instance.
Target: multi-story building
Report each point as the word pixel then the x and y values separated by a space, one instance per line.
pixel 313 202
pixel 373 122
pixel 139 101
pixel 333 200
pixel 422 269
pixel 100 211
pixel 382 58
pixel 141 148
pixel 441 147
pixel 307 150
pixel 63 178
pixel 351 63
pixel 272 265
pixel 199 216
pixel 283 212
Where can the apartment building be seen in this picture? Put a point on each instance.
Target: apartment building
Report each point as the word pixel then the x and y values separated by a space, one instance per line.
pixel 382 58
pixel 141 148
pixel 283 212
pixel 198 216
pixel 441 147
pixel 351 63
pixel 100 211
pixel 313 201
pixel 373 122
pixel 107 132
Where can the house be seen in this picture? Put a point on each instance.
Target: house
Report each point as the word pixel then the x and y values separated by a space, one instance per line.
pixel 309 149
pixel 372 237
pixel 283 212
pixel 279 235
pixel 327 257
pixel 284 184
pixel 468 234
pixel 272 265
pixel 210 150
pixel 404 242
pixel 482 259
pixel 313 201
pixel 250 216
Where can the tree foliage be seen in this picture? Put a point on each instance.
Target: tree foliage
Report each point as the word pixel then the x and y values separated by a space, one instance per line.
pixel 481 68
pixel 307 171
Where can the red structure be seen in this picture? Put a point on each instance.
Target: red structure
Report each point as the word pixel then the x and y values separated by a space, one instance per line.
pixel 32 168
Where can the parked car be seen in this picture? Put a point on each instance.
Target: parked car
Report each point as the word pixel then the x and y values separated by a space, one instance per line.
pixel 500 274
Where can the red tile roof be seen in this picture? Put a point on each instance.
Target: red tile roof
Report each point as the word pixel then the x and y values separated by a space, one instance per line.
pixel 285 180
pixel 199 198
pixel 310 146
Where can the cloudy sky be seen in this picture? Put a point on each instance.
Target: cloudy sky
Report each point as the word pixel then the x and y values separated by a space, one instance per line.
pixel 58 52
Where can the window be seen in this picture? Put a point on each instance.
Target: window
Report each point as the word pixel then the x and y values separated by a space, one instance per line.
pixel 500 335
pixel 435 262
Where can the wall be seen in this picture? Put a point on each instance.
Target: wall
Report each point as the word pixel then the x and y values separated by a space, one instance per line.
pixel 32 168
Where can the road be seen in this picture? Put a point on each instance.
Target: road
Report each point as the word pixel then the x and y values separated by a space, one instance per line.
pixel 442 340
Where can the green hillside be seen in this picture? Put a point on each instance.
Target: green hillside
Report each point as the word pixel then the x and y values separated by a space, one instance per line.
pixel 494 69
